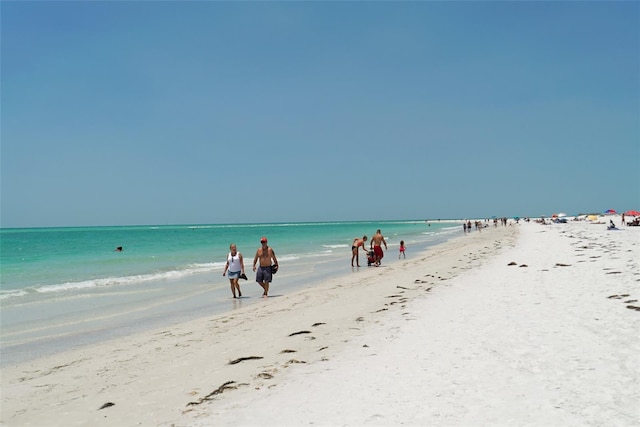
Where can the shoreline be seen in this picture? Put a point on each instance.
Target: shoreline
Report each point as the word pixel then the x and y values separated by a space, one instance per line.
pixel 36 329
pixel 177 375
pixel 219 338
pixel 544 333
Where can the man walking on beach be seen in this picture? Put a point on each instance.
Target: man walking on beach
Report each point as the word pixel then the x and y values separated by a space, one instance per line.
pixel 376 241
pixel 265 254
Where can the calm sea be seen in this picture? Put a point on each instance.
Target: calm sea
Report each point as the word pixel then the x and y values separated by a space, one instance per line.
pixel 62 287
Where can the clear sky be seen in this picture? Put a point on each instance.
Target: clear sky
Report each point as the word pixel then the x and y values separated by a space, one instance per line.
pixel 123 113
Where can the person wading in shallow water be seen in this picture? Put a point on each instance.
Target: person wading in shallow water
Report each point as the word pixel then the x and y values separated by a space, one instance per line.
pixel 355 247
pixel 376 241
pixel 263 276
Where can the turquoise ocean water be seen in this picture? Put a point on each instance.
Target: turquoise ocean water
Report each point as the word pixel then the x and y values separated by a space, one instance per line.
pixel 62 287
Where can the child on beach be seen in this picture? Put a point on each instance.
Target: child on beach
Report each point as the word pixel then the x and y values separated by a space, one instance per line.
pixel 402 249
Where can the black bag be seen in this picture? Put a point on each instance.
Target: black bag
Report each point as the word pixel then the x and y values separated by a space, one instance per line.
pixel 274 268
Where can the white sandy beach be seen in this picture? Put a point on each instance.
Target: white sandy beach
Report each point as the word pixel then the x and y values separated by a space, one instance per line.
pixel 454 336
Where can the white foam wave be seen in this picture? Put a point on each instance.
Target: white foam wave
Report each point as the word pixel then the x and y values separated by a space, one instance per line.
pixel 12 294
pixel 116 281
pixel 342 245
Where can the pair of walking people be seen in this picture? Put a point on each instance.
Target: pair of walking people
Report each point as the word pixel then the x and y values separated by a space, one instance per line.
pixel 264 272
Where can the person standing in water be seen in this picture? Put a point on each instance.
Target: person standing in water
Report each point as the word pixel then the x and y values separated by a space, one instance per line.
pixel 235 266
pixel 355 249
pixel 264 274
pixel 376 241
pixel 402 249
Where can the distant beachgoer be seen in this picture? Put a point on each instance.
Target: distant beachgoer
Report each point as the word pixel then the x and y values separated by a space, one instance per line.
pixel 355 254
pixel 264 274
pixel 376 242
pixel 402 249
pixel 464 227
pixel 235 266
pixel 118 249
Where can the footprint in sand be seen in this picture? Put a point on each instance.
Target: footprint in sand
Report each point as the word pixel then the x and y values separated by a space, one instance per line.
pixel 265 375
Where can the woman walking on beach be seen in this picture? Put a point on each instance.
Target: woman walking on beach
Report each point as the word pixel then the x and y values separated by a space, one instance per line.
pixel 235 266
pixel 402 249
pixel 355 246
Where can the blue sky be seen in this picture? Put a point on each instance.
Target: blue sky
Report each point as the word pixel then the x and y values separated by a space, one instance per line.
pixel 122 113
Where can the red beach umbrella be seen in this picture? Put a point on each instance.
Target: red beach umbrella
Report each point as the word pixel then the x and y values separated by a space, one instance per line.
pixel 610 211
pixel 632 213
